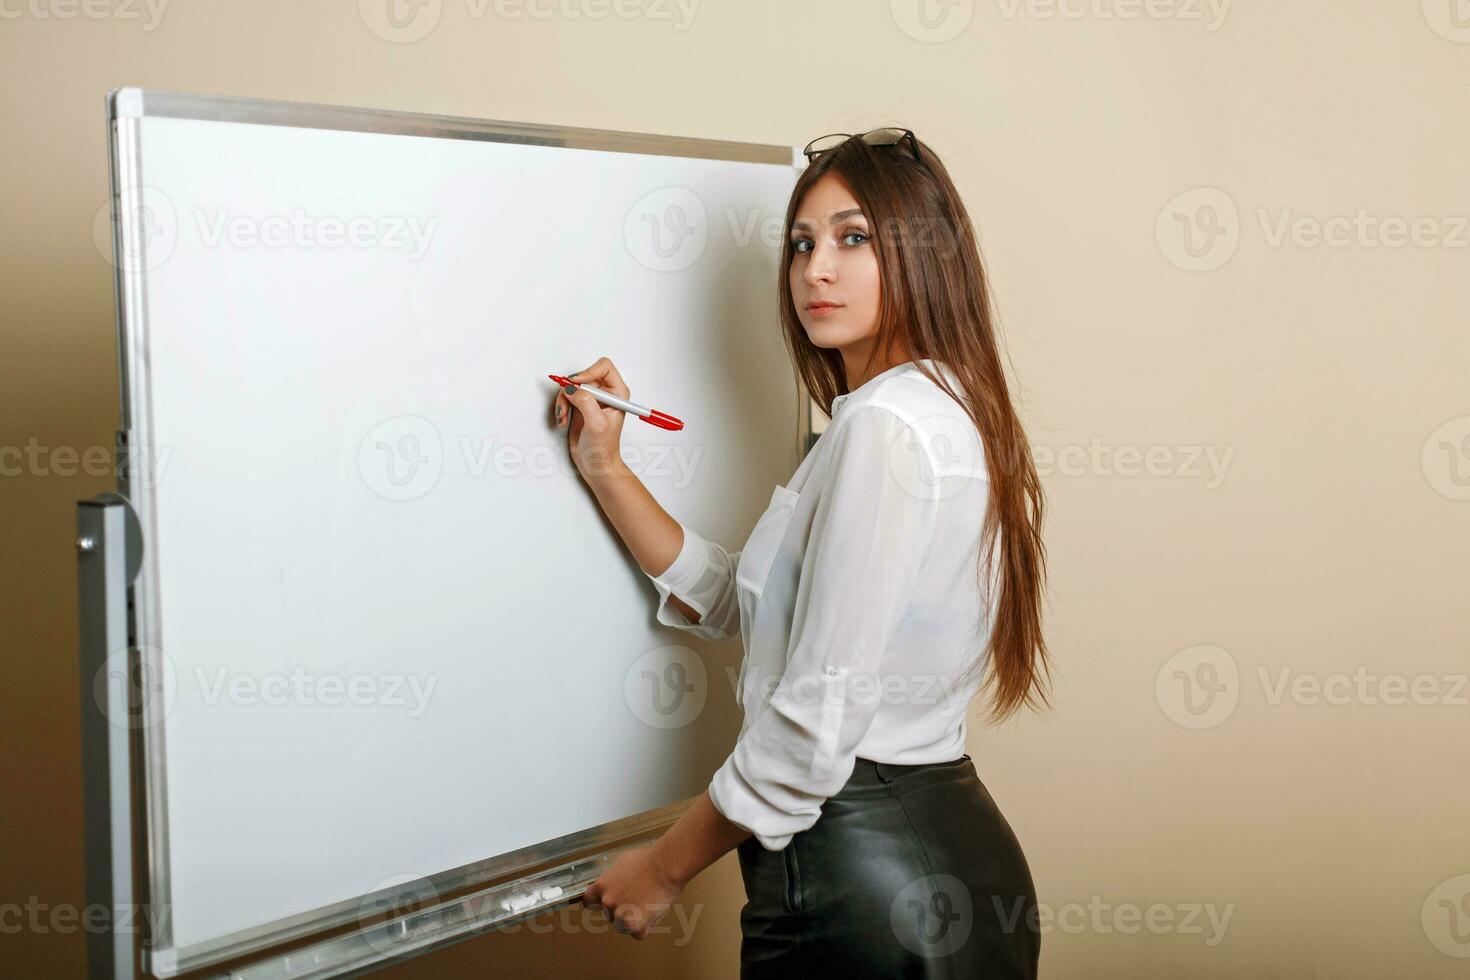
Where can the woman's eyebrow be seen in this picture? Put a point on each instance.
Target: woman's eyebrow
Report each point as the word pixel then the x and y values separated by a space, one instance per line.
pixel 839 216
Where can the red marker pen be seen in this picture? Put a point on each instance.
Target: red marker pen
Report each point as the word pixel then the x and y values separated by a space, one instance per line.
pixel 650 415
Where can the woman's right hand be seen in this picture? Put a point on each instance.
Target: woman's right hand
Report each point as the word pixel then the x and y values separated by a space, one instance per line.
pixel 595 430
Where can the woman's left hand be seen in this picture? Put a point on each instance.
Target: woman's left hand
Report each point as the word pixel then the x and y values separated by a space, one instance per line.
pixel 637 891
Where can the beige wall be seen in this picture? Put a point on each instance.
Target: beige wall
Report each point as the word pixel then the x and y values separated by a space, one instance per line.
pixel 1301 413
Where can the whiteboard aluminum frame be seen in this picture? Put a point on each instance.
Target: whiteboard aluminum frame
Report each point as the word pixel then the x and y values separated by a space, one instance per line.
pixel 126 107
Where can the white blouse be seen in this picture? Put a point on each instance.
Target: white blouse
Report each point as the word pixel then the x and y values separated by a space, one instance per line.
pixel 857 599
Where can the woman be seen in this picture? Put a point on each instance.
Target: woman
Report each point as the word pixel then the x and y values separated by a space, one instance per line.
pixel 903 558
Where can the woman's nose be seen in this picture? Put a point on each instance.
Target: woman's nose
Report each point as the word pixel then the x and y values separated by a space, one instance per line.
pixel 819 269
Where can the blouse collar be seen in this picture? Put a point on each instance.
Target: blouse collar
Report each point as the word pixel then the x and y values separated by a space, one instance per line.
pixel 841 400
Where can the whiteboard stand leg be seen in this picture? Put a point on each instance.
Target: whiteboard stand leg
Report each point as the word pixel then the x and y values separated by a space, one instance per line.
pixel 103 564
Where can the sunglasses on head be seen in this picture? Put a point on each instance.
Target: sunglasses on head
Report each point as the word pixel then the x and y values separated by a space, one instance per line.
pixel 890 136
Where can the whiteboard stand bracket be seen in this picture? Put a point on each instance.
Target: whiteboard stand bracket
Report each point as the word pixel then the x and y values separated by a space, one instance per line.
pixel 109 553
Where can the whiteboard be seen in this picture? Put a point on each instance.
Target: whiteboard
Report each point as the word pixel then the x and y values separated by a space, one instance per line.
pixel 393 635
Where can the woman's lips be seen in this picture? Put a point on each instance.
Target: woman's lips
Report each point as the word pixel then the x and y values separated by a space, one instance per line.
pixel 823 309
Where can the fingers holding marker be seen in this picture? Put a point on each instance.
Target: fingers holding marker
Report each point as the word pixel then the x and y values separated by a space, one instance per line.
pixel 589 407
pixel 562 407
pixel 604 375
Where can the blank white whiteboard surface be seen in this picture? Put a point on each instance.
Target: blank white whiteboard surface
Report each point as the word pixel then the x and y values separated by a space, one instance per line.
pixel 396 634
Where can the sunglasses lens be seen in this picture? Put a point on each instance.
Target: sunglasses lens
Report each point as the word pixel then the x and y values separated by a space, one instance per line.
pixel 823 143
pixel 882 137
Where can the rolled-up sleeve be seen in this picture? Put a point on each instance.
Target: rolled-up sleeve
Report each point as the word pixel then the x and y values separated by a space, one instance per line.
pixel 872 524
pixel 703 576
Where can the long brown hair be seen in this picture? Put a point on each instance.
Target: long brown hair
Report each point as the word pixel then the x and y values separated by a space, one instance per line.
pixel 935 303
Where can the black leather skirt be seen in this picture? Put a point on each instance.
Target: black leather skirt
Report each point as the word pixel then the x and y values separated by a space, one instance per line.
pixel 910 871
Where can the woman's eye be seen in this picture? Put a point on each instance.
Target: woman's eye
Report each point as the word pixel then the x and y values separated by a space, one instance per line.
pixel 797 244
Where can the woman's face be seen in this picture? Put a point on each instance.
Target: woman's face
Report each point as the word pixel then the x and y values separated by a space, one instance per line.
pixel 833 261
